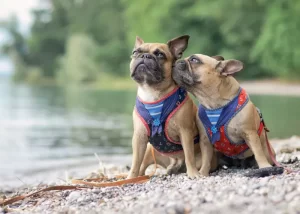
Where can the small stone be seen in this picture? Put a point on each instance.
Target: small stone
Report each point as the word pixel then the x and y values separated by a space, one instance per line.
pixel 264 181
pixel 290 196
pixel 153 179
pixel 263 191
pixel 127 198
pixel 277 198
pixel 241 191
pixel 290 186
pixel 80 199
pixel 209 197
pixel 177 209
pixel 96 191
pixel 74 196
pixel 87 198
pixel 286 150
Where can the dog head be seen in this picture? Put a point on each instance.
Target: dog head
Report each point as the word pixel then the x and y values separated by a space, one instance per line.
pixel 201 72
pixel 152 63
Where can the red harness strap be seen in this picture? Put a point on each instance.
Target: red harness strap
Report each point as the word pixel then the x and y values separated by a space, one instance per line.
pixel 224 145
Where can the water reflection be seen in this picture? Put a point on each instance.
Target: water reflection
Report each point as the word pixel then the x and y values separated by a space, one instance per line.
pixel 39 125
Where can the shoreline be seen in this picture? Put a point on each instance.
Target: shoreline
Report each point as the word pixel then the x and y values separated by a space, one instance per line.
pixel 257 87
pixel 271 87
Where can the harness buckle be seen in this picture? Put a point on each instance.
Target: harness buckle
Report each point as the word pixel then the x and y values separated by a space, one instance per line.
pixel 214 129
pixel 156 122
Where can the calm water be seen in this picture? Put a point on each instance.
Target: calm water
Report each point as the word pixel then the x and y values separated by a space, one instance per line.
pixel 42 124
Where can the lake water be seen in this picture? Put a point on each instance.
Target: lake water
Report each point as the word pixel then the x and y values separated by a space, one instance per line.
pixel 44 127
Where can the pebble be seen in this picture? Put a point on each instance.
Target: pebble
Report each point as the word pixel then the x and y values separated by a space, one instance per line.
pixel 80 199
pixel 277 198
pixel 225 191
pixel 176 210
pixel 264 181
pixel 291 196
pixel 74 196
pixel 96 190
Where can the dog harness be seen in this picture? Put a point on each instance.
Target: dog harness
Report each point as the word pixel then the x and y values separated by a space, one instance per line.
pixel 216 123
pixel 156 116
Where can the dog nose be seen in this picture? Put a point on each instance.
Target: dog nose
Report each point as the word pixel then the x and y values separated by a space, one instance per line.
pixel 147 56
pixel 181 64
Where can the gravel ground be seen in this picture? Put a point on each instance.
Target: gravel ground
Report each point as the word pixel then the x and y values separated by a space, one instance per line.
pixel 225 191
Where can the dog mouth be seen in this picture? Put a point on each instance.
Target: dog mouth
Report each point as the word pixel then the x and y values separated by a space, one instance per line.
pixel 147 71
pixel 184 77
pixel 140 67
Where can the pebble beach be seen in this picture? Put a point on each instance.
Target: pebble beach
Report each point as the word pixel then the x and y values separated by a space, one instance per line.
pixel 224 191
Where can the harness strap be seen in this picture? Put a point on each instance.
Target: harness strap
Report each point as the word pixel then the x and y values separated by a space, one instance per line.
pixel 288 170
pixel 229 110
pixel 170 102
pixel 261 128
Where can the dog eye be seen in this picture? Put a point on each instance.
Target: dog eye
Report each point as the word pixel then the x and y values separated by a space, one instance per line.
pixel 194 60
pixel 159 54
pixel 134 53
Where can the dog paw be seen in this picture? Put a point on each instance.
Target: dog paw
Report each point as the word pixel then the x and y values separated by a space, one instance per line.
pixel 130 175
pixel 173 169
pixel 193 174
pixel 204 173
pixel 170 171
pixel 263 172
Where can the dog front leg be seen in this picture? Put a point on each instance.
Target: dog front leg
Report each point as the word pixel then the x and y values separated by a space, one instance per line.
pixel 207 151
pixel 147 161
pixel 265 168
pixel 188 148
pixel 253 141
pixel 139 145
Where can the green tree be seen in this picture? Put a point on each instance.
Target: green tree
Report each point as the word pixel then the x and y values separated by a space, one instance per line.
pixel 239 23
pixel 16 47
pixel 278 47
pixel 49 34
pixel 159 21
pixel 104 22
pixel 79 64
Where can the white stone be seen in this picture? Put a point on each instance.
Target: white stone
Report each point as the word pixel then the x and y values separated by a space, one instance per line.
pixel 74 196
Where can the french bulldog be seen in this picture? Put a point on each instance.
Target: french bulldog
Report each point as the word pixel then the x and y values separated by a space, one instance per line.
pixel 227 119
pixel 164 114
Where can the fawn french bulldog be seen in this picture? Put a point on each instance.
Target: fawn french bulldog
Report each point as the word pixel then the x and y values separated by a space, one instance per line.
pixel 164 114
pixel 227 119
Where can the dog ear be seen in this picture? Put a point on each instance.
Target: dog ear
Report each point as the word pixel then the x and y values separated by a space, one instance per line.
pixel 178 45
pixel 229 67
pixel 138 42
pixel 219 58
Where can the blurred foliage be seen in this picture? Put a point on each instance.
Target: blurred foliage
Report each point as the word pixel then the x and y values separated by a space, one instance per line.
pixel 84 41
pixel 80 61
pixel 277 48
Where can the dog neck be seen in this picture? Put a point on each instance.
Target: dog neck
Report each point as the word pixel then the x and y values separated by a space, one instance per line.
pixel 154 93
pixel 218 94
